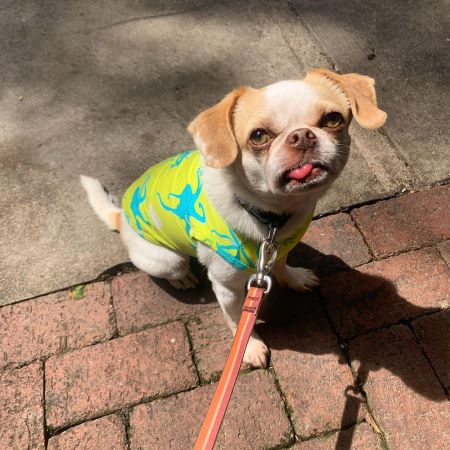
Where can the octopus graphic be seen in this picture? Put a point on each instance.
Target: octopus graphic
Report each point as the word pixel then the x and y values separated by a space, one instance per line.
pixel 234 250
pixel 137 199
pixel 185 209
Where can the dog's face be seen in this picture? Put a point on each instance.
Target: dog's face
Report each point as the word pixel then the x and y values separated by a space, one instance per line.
pixel 290 137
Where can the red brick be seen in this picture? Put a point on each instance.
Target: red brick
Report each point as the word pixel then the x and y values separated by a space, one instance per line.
pixel 104 433
pixel 21 412
pixel 46 326
pixel 361 437
pixel 211 337
pixel 433 333
pixel 407 222
pixel 99 379
pixel 330 244
pixel 255 417
pixel 284 304
pixel 385 292
pixel 140 300
pixel 211 342
pixel 313 374
pixel 406 398
pixel 444 250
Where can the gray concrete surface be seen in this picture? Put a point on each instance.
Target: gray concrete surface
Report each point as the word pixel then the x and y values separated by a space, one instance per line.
pixel 107 88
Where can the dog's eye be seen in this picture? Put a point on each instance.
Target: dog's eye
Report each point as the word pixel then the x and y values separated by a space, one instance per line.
pixel 260 137
pixel 331 120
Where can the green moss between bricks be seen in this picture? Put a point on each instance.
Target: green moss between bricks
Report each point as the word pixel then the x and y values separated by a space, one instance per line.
pixel 290 410
pixel 214 377
pixel 77 292
pixel 196 320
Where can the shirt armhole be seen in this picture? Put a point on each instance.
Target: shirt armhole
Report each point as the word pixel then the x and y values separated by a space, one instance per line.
pixel 198 236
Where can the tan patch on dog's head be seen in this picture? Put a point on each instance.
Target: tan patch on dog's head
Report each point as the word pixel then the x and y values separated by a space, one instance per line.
pixel 359 91
pixel 213 132
pixel 251 112
pixel 222 130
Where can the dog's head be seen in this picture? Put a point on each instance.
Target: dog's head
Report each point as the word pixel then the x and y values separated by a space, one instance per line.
pixel 290 137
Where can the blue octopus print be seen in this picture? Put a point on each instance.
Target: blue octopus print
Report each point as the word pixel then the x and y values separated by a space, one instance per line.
pixel 185 209
pixel 235 249
pixel 137 199
pixel 179 159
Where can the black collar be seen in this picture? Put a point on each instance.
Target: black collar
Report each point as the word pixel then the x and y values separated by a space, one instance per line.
pixel 267 218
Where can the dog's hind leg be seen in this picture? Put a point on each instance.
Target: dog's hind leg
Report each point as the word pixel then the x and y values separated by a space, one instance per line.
pixel 157 261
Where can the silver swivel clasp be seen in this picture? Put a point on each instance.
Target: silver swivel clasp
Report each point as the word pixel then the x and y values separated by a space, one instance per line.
pixel 266 258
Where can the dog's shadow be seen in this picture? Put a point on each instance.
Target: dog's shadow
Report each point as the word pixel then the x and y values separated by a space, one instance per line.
pixel 353 305
pixel 349 304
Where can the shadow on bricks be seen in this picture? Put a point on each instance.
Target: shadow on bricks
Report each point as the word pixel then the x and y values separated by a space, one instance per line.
pixel 360 320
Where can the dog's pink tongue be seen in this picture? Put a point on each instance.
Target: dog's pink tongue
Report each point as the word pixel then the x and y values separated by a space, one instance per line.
pixel 301 172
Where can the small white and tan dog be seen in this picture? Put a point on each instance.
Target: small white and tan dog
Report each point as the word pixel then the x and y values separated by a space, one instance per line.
pixel 277 149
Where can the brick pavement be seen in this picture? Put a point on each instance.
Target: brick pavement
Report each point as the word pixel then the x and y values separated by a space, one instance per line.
pixel 362 363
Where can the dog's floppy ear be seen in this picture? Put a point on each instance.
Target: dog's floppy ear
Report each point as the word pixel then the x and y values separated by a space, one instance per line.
pixel 213 131
pixel 360 91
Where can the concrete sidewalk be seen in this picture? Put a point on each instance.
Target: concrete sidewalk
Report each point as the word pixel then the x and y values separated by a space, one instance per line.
pixel 107 89
pixel 363 363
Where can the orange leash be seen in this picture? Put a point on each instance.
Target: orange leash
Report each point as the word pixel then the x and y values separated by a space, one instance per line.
pixel 258 284
pixel 218 406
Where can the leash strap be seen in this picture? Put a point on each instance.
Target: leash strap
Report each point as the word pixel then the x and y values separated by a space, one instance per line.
pixel 258 284
pixel 218 406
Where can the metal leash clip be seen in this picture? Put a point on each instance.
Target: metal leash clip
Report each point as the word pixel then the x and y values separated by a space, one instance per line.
pixel 267 256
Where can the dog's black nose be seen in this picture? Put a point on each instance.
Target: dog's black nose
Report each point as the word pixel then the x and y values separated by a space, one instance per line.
pixel 301 139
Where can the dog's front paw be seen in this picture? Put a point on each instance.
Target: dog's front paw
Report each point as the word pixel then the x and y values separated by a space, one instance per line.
pixel 190 281
pixel 299 279
pixel 257 353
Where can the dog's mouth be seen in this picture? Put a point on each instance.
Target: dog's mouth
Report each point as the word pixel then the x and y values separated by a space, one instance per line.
pixel 304 175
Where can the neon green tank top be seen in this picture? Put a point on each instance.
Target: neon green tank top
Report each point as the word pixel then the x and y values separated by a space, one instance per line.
pixel 168 206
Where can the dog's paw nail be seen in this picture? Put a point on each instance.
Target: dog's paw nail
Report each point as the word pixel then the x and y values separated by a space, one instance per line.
pixel 190 281
pixel 256 354
pixel 303 280
pixel 192 278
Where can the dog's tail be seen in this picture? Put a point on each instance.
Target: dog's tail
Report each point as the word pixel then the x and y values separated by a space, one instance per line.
pixel 103 203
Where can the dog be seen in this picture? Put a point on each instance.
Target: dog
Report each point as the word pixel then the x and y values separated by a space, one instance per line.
pixel 264 155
